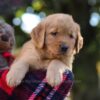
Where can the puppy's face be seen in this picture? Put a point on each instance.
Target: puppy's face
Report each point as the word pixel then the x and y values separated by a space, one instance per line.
pixel 7 39
pixel 58 36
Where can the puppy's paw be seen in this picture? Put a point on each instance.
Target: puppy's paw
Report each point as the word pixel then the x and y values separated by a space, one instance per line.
pixel 54 78
pixel 13 79
pixel 55 72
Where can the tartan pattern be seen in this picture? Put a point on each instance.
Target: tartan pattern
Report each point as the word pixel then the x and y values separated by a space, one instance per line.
pixel 35 87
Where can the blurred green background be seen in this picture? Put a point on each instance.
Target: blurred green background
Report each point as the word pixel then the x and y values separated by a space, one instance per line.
pixel 86 12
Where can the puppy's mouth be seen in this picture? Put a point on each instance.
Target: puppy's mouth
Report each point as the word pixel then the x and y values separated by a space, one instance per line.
pixel 59 54
pixel 55 53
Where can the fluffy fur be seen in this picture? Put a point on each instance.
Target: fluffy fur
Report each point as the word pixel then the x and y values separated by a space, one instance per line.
pixel 7 38
pixel 44 51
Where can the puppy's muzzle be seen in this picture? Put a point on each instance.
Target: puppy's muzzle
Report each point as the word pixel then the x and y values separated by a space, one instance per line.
pixel 63 48
pixel 4 38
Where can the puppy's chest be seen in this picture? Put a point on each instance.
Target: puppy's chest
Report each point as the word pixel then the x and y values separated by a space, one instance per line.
pixel 41 64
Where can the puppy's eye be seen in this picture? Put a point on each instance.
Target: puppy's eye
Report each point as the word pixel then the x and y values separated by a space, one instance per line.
pixel 54 33
pixel 71 36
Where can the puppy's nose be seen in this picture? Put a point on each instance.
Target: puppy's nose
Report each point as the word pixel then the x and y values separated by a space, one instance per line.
pixel 4 38
pixel 64 48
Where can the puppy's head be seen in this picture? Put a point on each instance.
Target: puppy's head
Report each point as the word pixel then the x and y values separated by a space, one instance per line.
pixel 7 39
pixel 58 36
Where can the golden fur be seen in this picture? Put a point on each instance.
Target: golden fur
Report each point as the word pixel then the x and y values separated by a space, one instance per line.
pixel 43 51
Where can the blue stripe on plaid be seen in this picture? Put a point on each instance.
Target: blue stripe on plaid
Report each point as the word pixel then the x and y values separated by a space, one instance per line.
pixel 37 91
pixel 51 94
pixel 44 93
pixel 69 75
pixel 40 87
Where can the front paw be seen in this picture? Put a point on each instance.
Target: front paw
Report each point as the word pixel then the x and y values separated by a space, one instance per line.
pixel 13 79
pixel 54 78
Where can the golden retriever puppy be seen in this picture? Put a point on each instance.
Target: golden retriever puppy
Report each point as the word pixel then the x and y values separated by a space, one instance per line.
pixel 53 44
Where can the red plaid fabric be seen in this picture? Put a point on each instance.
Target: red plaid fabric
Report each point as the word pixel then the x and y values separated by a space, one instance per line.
pixel 9 57
pixel 35 87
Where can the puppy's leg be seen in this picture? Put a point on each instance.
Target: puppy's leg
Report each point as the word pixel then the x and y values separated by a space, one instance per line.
pixel 16 73
pixel 21 65
pixel 55 72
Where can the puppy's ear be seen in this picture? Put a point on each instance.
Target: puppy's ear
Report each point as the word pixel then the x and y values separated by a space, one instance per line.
pixel 38 35
pixel 79 42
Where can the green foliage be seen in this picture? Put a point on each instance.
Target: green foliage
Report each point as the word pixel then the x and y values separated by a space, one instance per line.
pixel 37 5
pixel 20 12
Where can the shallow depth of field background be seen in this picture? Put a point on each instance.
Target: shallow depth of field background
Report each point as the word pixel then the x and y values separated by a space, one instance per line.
pixel 23 15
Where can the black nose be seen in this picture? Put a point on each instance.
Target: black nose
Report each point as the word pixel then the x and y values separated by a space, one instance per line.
pixel 64 48
pixel 4 38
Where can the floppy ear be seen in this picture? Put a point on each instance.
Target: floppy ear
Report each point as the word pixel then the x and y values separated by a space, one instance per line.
pixel 79 42
pixel 38 35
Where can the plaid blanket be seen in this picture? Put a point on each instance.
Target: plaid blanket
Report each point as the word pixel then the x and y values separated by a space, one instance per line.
pixel 35 87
